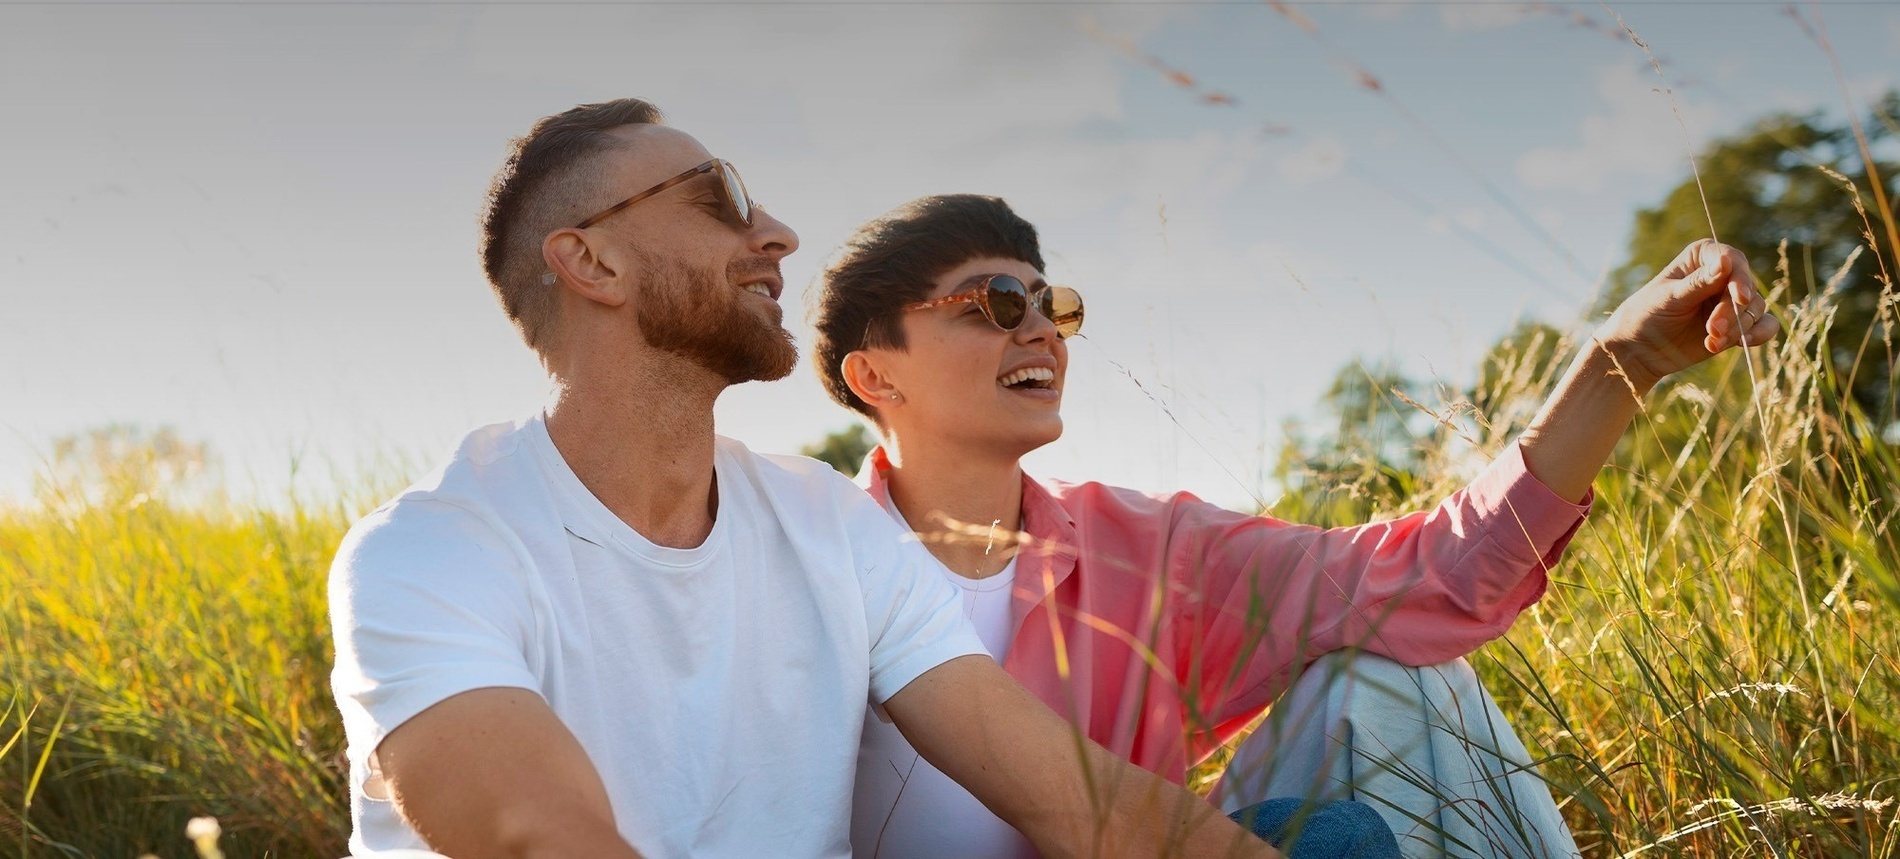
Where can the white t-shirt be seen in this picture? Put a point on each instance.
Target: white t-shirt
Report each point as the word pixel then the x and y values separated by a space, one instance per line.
pixel 905 808
pixel 719 690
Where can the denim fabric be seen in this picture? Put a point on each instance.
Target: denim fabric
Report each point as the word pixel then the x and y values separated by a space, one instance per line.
pixel 1425 747
pixel 1336 830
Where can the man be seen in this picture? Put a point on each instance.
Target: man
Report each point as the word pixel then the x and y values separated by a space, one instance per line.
pixel 606 632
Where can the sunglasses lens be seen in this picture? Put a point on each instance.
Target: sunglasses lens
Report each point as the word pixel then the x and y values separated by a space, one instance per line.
pixel 1009 302
pixel 736 194
pixel 1063 306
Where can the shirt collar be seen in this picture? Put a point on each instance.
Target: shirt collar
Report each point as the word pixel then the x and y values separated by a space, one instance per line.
pixel 1045 520
pixel 871 472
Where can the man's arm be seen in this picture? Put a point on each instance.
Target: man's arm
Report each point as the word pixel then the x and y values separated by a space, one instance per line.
pixel 1686 315
pixel 494 773
pixel 1070 796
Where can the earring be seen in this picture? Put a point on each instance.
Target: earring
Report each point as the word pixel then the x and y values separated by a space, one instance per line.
pixel 897 398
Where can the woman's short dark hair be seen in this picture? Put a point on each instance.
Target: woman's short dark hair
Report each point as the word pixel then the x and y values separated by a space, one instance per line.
pixel 895 260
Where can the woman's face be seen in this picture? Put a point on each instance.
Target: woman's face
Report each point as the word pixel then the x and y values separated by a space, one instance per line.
pixel 953 372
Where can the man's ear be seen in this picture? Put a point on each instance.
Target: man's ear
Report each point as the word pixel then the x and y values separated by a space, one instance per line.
pixel 574 263
pixel 865 374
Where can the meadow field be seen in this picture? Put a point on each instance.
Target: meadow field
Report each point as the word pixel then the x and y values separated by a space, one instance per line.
pixel 1712 673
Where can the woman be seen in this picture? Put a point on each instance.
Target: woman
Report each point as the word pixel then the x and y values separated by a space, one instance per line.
pixel 1162 626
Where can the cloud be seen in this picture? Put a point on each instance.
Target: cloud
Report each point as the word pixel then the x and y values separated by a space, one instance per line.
pixel 1320 158
pixel 945 74
pixel 1638 135
pixel 989 98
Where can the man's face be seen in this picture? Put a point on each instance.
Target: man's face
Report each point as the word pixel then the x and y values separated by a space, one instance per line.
pixel 708 284
pixel 688 312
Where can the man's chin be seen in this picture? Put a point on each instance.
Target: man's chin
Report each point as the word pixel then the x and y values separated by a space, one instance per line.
pixel 773 361
pixel 768 374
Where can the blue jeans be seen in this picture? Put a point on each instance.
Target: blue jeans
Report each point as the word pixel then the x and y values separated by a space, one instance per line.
pixel 1426 747
pixel 1336 830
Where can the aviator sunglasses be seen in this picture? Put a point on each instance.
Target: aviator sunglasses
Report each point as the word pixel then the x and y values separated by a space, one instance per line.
pixel 738 204
pixel 1005 302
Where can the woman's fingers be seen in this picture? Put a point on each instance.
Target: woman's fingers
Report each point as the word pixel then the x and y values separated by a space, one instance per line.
pixel 1765 328
pixel 1720 331
pixel 1713 278
pixel 1755 326
pixel 1739 305
pixel 1709 270
pixel 1700 254
pixel 1751 309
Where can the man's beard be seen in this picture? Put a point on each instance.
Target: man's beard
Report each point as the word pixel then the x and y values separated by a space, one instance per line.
pixel 702 319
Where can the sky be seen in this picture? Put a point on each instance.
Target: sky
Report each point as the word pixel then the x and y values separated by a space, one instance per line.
pixel 255 222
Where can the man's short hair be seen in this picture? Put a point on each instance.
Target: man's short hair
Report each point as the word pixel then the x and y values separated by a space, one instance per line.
pixel 551 177
pixel 895 260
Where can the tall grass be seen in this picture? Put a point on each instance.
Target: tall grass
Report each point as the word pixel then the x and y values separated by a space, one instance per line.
pixel 1712 674
pixel 187 651
pixel 1713 671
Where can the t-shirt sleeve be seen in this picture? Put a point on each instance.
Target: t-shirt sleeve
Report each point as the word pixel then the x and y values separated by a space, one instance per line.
pixel 426 601
pixel 914 616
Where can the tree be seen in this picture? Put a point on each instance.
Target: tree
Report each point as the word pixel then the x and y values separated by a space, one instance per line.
pixel 843 450
pixel 1365 457
pixel 119 465
pixel 1767 185
pixel 1516 376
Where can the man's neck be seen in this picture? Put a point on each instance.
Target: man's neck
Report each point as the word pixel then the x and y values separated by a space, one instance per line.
pixel 967 509
pixel 641 440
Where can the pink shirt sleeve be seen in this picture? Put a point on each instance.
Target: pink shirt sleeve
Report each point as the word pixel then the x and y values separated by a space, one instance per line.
pixel 1260 598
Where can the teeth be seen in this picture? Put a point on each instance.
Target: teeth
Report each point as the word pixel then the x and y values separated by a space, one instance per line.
pixel 758 289
pixel 1040 374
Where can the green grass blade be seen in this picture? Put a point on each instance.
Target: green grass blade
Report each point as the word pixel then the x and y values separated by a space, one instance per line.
pixel 46 754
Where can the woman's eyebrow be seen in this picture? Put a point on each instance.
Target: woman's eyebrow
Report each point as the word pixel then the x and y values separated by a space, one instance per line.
pixel 975 279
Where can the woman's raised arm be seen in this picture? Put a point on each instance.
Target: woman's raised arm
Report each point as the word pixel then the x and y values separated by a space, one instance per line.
pixel 1703 303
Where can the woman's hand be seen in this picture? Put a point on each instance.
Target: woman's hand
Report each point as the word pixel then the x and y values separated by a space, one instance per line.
pixel 1687 314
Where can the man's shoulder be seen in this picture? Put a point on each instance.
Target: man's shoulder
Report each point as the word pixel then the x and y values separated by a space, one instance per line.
pixel 812 501
pixel 791 464
pixel 780 473
pixel 488 461
pixel 496 452
pixel 419 516
pixel 459 509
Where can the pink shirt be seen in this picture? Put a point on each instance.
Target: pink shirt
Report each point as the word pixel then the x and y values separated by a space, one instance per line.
pixel 1162 625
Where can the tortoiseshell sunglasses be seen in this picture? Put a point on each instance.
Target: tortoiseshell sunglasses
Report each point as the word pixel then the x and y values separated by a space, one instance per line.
pixel 1005 302
pixel 738 204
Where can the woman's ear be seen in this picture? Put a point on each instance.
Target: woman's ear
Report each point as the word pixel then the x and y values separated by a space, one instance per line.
pixel 865 374
pixel 573 263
